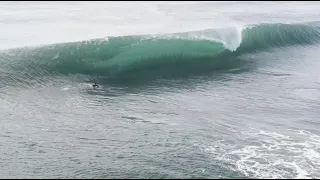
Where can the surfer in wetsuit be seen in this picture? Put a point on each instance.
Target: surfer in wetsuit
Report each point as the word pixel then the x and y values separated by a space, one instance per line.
pixel 95 85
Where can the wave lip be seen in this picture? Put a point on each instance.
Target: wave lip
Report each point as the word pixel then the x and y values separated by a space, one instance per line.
pixel 150 56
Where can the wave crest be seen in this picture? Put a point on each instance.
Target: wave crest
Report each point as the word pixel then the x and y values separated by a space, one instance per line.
pixel 157 55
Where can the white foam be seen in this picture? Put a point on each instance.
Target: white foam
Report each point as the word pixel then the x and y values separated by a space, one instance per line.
pixel 271 154
pixel 230 37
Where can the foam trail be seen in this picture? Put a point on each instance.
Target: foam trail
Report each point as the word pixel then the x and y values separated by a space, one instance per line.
pixel 270 153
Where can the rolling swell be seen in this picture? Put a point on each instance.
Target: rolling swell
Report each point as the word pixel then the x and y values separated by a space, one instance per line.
pixel 135 58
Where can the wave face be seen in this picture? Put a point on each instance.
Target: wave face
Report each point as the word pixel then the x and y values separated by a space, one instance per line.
pixel 146 57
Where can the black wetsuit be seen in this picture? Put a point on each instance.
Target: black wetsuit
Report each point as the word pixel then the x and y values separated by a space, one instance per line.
pixel 95 85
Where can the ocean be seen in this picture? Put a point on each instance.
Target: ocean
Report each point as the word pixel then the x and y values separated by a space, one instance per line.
pixel 186 89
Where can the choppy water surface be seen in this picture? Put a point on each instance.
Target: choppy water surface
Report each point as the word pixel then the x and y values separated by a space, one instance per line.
pixel 187 90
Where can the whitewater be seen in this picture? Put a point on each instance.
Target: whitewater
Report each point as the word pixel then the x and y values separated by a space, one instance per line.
pixel 186 90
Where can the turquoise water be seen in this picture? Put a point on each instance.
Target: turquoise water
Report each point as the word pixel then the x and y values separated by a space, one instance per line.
pixel 187 90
